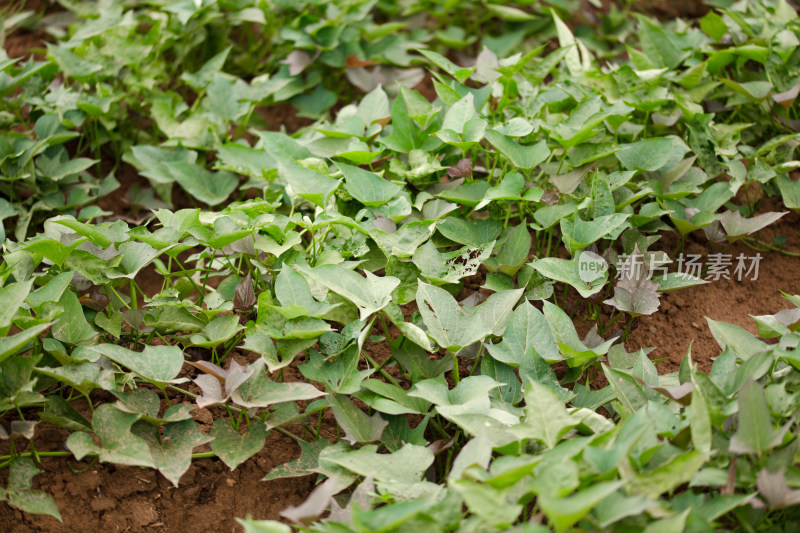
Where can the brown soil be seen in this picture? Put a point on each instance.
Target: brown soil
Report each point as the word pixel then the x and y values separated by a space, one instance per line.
pixel 680 321
pixel 119 498
pixel 22 42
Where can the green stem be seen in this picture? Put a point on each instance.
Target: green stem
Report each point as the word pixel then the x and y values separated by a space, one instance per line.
pixel 765 246
pixel 380 369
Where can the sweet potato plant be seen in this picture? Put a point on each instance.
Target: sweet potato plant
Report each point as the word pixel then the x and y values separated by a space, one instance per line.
pixel 551 147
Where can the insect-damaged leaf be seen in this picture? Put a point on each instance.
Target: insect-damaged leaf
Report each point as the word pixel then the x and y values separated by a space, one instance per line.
pixel 635 293
pixel 244 295
pixel 449 267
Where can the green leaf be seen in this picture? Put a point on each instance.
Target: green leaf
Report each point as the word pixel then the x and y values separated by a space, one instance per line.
pixel 390 399
pixel 474 233
pixel 10 345
pixel 546 418
pixel 677 280
pixel 340 375
pixel 513 252
pixel 358 427
pixel 84 377
pixel 699 419
pixel 118 444
pixel 367 187
pixel 218 331
pixel 563 513
pixel 12 297
pixel 51 292
pixel 577 233
pixel 566 40
pixel 527 334
pixel 488 503
pixel 172 450
pixel 755 433
pixel 735 225
pixel 309 184
pixel 667 477
pixel 369 295
pixel 459 114
pixel 647 155
pixel 203 76
pixel 71 327
pixel 740 341
pixel 20 494
pixel 260 391
pixel 160 364
pixel 460 74
pixel 522 156
pixel 628 391
pixel 450 325
pixel 586 272
pixel 72 65
pixel 212 188
pixel 234 447
pixel 59 412
pixel 408 464
pixel 572 348
pixel 306 464
pixel 714 26
pixel 293 292
pixel 510 188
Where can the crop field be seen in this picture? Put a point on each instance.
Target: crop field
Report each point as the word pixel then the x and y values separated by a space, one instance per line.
pixel 399 266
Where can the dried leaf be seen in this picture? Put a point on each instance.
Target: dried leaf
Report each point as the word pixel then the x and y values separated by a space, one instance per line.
pixel 462 169
pixel 353 61
pixel 244 296
pixel 787 98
